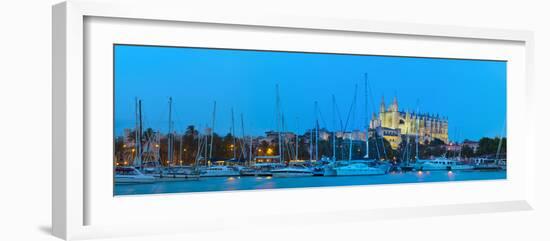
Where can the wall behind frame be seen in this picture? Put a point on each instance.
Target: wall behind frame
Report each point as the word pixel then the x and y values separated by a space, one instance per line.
pixel 25 97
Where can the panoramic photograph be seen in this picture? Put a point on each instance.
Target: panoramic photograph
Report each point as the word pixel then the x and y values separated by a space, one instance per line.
pixel 190 119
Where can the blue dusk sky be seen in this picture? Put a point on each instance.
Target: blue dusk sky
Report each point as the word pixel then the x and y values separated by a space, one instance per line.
pixel 471 93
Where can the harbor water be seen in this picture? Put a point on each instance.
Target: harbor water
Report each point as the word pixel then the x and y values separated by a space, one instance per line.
pixel 210 184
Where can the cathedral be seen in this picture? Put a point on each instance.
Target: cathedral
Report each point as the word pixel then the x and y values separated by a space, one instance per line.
pixel 395 125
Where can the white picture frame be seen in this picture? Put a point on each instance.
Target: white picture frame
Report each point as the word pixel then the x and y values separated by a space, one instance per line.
pixel 73 193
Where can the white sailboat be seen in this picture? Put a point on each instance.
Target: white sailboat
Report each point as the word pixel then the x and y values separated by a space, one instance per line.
pixel 366 166
pixel 219 171
pixel 358 168
pixel 131 175
pixel 293 171
pixel 173 171
pixel 216 170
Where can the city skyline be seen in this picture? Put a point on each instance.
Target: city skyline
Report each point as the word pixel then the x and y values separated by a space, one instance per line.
pixel 245 80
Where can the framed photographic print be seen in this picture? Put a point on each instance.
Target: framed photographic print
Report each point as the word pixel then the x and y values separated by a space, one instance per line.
pixel 179 114
pixel 192 139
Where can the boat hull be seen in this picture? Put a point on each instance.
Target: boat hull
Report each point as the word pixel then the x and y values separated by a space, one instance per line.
pixel 132 180
pixel 289 174
pixel 345 172
pixel 177 177
pixel 256 173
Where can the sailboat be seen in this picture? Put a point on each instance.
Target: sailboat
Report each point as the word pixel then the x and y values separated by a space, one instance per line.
pixel 280 170
pixel 328 168
pixel 216 170
pixel 131 175
pixel 172 171
pixel 292 171
pixel 364 166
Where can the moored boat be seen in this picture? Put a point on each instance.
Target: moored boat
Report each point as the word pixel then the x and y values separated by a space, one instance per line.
pixel 130 175
pixel 178 173
pixel 219 171
pixel 261 169
pixel 442 164
pixel 292 171
pixel 358 168
pixel 486 164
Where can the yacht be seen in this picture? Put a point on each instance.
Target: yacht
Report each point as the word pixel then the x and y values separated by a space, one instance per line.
pixel 292 171
pixel 358 168
pixel 442 163
pixel 178 173
pixel 329 169
pixel 219 171
pixel 130 175
pixel 261 169
pixel 486 164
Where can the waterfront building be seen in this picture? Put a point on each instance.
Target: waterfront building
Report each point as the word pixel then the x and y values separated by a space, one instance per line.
pixel 471 144
pixel 453 147
pixel 273 136
pixel 394 125
pixel 356 135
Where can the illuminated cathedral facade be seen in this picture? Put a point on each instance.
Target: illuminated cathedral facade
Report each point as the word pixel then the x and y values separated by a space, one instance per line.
pixel 396 125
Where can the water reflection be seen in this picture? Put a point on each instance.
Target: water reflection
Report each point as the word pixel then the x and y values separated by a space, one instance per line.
pixel 251 183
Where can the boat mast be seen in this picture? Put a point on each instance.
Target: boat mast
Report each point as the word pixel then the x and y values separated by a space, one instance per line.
pixel 366 119
pixel 406 149
pixel 311 144
pixel 137 141
pixel 170 137
pixel 499 147
pixel 297 138
pixel 278 122
pixel 250 152
pixel 417 135
pixel 199 149
pixel 140 151
pixel 212 131
pixel 283 140
pixel 205 145
pixel 180 150
pixel 233 134
pixel 243 142
pixel 350 144
pixel 334 126
pixel 353 108
pixel 316 133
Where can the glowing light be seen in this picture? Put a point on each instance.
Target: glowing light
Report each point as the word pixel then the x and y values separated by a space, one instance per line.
pixel 269 151
pixel 133 150
pixel 268 177
pixel 231 178
pixel 450 172
pixel 419 172
pixel 157 145
pixel 124 145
